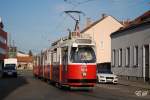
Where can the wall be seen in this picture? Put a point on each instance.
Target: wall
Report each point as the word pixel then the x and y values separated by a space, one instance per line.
pixel 3 44
pixel 100 33
pixel 139 36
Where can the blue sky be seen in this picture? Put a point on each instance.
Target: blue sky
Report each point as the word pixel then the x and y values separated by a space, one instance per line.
pixel 34 24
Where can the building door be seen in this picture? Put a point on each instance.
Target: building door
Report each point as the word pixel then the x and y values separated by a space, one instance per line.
pixel 146 62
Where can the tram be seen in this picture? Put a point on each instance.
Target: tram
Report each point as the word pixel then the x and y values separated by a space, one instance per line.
pixel 68 62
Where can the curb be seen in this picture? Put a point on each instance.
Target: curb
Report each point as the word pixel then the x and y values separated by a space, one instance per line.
pixel 135 86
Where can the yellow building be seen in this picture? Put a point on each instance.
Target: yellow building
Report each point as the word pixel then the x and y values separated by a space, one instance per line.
pixel 100 31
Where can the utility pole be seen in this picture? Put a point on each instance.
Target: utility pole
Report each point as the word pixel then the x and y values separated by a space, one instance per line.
pixel 10 40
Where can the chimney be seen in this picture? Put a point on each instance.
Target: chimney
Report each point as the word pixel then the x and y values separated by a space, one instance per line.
pixel 88 22
pixel 103 15
pixel 126 23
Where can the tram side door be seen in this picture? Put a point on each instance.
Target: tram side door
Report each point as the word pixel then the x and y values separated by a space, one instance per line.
pixel 64 63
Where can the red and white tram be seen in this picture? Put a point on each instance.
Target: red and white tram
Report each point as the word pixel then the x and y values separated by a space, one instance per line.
pixel 68 62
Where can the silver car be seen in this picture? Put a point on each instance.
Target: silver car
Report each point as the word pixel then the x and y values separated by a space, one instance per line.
pixel 105 76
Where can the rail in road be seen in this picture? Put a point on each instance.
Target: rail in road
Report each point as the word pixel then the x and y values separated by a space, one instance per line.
pixel 26 87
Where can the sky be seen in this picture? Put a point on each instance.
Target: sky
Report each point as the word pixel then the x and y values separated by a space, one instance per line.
pixel 35 24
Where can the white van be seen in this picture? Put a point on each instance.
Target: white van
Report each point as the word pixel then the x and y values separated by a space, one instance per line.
pixel 10 67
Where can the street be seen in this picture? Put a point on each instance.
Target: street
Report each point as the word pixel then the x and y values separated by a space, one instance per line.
pixel 26 87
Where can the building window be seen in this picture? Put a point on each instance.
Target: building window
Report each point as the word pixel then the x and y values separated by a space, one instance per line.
pixel 101 44
pixel 135 57
pixel 113 57
pixel 2 51
pixel 127 57
pixel 120 57
pixel 2 40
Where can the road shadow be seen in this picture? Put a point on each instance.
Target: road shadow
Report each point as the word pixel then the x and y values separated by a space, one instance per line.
pixel 9 84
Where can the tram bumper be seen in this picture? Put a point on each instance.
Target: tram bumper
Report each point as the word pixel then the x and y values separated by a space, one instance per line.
pixel 82 82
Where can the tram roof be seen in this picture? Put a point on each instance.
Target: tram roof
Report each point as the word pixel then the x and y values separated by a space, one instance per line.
pixel 66 41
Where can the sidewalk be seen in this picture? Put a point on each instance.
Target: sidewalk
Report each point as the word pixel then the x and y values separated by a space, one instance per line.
pixel 135 84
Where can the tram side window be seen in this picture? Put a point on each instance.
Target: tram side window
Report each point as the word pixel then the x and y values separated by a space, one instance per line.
pixel 42 60
pixel 35 61
pixel 39 60
pixel 55 57
pixel 49 57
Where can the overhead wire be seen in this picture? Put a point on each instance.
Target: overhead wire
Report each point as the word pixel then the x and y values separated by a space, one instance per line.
pixel 59 25
pixel 76 4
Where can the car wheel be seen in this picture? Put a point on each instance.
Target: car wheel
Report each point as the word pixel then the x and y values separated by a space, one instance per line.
pixel 1 74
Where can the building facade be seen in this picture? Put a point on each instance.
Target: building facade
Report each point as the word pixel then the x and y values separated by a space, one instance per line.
pixel 12 52
pixel 3 43
pixel 25 61
pixel 100 32
pixel 130 50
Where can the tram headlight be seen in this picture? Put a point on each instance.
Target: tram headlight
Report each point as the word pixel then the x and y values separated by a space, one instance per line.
pixel 84 74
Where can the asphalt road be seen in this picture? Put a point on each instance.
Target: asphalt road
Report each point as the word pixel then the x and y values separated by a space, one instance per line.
pixel 26 87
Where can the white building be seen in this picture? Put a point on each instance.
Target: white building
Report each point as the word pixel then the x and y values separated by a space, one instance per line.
pixel 130 48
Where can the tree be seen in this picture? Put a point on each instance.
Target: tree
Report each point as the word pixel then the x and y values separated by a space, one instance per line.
pixel 30 53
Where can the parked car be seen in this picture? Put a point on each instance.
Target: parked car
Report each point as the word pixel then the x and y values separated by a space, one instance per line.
pixel 106 76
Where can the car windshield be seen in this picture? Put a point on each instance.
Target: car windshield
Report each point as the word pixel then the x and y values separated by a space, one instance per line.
pixel 83 55
pixel 105 71
pixel 10 67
